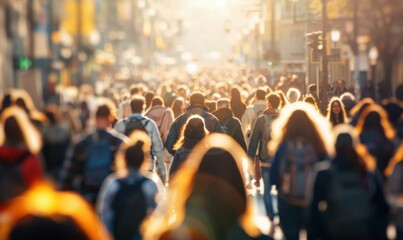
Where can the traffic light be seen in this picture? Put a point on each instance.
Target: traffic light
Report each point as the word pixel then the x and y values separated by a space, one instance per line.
pixel 22 63
pixel 316 40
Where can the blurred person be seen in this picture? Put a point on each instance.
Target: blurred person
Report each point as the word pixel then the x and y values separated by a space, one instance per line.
pixel 348 100
pixel 368 90
pixel 20 144
pixel 258 147
pixel 212 203
pixel 348 197
pixel 300 136
pixel 161 115
pixel 193 131
pixel 358 109
pixel 377 134
pixel 43 213
pixel 197 107
pixel 237 105
pixel 310 99
pixel 87 106
pixel 230 124
pixel 252 112
pixel 6 101
pixel 335 90
pixel 283 99
pixel 211 105
pixel 178 107
pixel 313 90
pixel 22 99
pixel 394 190
pixel 336 113
pixel 57 137
pixel 149 97
pixel 293 95
pixel 128 196
pixel 182 91
pixel 124 109
pixel 91 159
pixel 138 121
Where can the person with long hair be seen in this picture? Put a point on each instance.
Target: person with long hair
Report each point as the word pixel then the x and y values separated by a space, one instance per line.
pixel 357 110
pixel 348 197
pixel 299 133
pixel 207 198
pixel 178 106
pixel 336 113
pixel 237 105
pixel 20 143
pixel 193 131
pixel 377 134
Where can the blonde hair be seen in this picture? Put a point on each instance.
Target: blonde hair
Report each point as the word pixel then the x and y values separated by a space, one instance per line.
pixel 31 136
pixel 172 214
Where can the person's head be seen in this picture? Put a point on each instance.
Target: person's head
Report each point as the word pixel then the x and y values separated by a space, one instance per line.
pixel 348 100
pixel 301 120
pixel 293 95
pixel 312 88
pixel 352 154
pixel 342 84
pixel 134 90
pixel 178 106
pixel 157 101
pixel 137 104
pixel 394 110
pixel 18 130
pixel 336 113
pixel 375 118
pixel 310 99
pixel 134 154
pixel 260 94
pixel 211 105
pixel 104 115
pixel 236 94
pixel 197 99
pixel 261 80
pixel 205 188
pixel 43 213
pixel 358 109
pixel 273 101
pixel 283 99
pixel 148 98
pixel 192 132
pixel 335 84
pixel 223 103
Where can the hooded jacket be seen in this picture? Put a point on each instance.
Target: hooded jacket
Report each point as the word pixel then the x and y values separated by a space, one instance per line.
pixel 163 117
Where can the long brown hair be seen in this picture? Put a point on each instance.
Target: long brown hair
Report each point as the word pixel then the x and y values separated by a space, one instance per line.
pixel 330 114
pixel 192 132
pixel 302 120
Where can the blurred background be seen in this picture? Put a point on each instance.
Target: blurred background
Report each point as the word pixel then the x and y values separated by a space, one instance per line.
pixel 51 43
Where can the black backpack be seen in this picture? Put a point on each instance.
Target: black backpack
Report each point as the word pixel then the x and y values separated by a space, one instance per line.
pixel 12 181
pixel 130 208
pixel 348 210
pixel 135 124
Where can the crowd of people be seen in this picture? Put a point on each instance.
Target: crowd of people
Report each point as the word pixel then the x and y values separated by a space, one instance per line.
pixel 181 157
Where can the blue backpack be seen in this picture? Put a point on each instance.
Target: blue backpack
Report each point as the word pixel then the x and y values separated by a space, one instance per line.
pixel 99 162
pixel 297 173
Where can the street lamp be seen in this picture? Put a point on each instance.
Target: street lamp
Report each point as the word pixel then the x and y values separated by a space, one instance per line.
pixel 373 55
pixel 335 35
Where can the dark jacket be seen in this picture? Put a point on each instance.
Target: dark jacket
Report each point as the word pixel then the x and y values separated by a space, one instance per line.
pixel 232 125
pixel 76 162
pixel 321 191
pixel 212 125
pixel 179 158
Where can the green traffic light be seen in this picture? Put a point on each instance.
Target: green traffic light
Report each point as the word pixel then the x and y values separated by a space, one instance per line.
pixel 24 63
